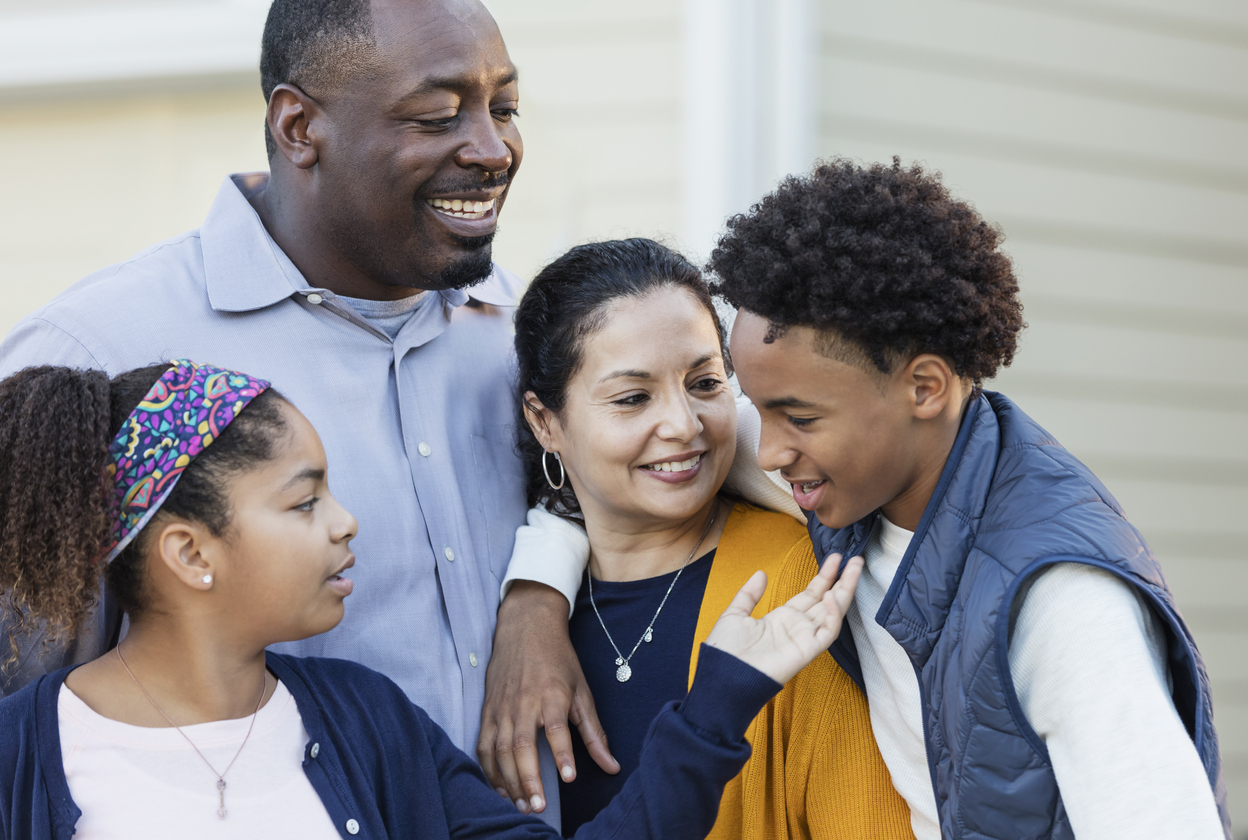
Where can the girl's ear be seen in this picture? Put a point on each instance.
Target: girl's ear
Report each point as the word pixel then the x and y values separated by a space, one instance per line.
pixel 183 549
pixel 542 421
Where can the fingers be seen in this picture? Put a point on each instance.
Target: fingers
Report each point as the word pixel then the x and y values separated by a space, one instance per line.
pixel 585 717
pixel 843 591
pixel 529 772
pixel 747 598
pixel 485 756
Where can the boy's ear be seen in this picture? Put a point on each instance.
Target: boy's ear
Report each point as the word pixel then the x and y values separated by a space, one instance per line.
pixel 541 420
pixel 931 384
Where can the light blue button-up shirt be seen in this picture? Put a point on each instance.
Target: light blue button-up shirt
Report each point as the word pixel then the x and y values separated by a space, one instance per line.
pixel 419 431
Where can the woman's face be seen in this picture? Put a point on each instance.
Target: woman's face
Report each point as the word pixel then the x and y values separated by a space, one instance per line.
pixel 649 426
pixel 283 558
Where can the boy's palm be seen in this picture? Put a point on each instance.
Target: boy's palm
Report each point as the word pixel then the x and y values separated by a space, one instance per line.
pixel 788 638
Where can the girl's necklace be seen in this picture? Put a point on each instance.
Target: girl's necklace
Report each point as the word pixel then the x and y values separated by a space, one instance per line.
pixel 623 670
pixel 221 812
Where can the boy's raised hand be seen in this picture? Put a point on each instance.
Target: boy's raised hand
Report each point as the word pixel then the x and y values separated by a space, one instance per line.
pixel 788 638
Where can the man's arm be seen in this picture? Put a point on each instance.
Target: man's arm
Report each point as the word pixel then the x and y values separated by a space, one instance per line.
pixel 1088 663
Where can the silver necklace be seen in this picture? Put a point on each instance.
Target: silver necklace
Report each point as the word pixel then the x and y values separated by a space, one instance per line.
pixel 623 670
pixel 221 812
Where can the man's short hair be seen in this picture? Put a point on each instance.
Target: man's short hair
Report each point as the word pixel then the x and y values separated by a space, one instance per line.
pixel 882 261
pixel 315 44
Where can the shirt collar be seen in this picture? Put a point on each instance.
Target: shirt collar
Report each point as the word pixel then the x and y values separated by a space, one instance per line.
pixel 246 270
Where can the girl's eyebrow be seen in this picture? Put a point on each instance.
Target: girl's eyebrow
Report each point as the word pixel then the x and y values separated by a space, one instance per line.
pixel 314 473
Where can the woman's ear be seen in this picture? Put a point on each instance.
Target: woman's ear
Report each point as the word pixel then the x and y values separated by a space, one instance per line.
pixel 183 550
pixel 542 421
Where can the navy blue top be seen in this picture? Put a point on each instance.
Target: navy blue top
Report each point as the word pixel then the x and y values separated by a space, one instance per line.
pixel 382 768
pixel 660 673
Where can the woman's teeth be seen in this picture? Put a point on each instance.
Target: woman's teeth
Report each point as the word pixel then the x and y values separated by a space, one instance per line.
pixel 461 209
pixel 674 466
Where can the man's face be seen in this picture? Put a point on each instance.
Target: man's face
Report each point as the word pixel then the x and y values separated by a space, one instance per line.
pixel 421 149
pixel 840 435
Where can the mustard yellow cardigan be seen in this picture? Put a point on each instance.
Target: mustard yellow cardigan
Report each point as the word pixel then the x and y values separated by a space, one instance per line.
pixel 816 771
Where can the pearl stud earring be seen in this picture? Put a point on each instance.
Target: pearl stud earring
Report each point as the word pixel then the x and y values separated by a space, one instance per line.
pixel 206 579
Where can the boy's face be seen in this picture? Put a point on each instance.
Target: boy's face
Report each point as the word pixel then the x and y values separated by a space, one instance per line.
pixel 843 437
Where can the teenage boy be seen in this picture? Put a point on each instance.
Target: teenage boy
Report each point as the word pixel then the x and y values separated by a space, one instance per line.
pixel 1028 672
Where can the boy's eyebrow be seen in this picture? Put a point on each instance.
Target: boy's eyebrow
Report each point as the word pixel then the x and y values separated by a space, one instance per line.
pixel 313 473
pixel 788 402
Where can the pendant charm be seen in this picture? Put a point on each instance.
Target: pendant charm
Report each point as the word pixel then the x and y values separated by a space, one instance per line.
pixel 623 672
pixel 619 660
pixel 649 637
pixel 221 812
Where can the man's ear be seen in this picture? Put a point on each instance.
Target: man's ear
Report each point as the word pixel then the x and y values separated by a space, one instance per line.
pixel 931 384
pixel 182 549
pixel 293 121
pixel 542 421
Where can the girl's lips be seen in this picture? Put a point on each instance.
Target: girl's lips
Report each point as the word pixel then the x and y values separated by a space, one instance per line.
pixel 809 499
pixel 674 477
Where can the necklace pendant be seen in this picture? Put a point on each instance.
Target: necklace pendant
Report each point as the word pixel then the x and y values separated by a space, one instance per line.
pixel 623 673
pixel 221 812
pixel 619 660
pixel 649 637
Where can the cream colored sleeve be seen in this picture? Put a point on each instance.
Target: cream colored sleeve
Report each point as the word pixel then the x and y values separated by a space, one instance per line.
pixel 747 478
pixel 551 550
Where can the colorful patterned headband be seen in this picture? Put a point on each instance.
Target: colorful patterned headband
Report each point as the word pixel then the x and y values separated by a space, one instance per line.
pixel 185 411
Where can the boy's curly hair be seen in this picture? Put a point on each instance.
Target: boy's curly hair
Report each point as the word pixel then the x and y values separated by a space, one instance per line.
pixel 881 257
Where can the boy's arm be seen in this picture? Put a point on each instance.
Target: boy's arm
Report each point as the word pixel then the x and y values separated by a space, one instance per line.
pixel 1088 663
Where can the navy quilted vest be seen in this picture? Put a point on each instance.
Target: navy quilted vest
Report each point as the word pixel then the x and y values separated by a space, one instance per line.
pixel 1010 502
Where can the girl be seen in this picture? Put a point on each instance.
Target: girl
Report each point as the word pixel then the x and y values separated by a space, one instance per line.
pixel 200 496
pixel 630 423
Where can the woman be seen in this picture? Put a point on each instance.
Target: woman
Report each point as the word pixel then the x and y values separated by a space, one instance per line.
pixel 630 423
pixel 201 497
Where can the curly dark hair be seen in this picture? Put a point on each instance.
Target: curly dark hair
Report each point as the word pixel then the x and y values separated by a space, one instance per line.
pixel 567 302
pixel 56 424
pixel 882 258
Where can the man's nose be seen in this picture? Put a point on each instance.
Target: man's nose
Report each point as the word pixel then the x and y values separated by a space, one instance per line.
pixel 484 148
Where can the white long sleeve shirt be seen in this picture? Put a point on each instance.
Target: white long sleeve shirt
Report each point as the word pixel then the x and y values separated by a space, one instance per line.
pixel 1088 663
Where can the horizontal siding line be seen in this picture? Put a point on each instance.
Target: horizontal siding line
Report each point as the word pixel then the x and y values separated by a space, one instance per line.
pixel 1125 240
pixel 1204 471
pixel 1199 545
pixel 1220 33
pixel 1040 77
pixel 1175 320
pixel 1014 148
pixel 650 113
pixel 1152 393
pixel 660 31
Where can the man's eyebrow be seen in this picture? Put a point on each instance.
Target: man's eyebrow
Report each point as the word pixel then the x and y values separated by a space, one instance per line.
pixel 626 374
pixel 314 473
pixel 788 402
pixel 433 83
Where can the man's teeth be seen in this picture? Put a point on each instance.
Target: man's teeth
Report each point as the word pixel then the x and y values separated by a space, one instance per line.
pixel 674 466
pixel 461 209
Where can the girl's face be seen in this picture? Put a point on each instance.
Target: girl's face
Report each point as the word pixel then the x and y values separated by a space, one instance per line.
pixel 281 563
pixel 649 426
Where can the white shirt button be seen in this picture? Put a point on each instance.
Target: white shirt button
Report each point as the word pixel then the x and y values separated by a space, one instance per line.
pixel 472 659
pixel 353 827
pixel 450 555
pixel 424 449
pixel 314 298
pixel 315 751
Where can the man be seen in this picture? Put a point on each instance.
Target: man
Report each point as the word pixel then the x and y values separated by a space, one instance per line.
pixel 357 277
pixel 1028 672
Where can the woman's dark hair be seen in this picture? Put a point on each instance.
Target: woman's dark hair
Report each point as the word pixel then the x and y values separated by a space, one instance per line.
pixel 881 257
pixel 567 302
pixel 56 424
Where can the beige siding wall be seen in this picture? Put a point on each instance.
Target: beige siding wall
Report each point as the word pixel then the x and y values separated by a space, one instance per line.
pixel 1108 140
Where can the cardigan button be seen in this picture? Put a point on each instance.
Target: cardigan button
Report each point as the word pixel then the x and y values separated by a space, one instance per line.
pixel 353 827
pixel 316 749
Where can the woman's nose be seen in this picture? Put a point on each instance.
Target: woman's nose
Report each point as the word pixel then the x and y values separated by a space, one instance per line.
pixel 679 421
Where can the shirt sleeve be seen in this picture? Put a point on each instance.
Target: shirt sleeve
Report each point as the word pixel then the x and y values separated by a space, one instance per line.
pixel 692 750
pixel 747 478
pixel 1088 663
pixel 36 341
pixel 551 550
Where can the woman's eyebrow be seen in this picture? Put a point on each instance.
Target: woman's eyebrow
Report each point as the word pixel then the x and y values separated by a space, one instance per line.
pixel 626 374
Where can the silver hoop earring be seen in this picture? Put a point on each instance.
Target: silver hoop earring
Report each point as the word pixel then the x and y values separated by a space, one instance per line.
pixel 563 476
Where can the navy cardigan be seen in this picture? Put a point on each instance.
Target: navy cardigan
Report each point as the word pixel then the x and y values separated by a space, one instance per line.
pixel 384 769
